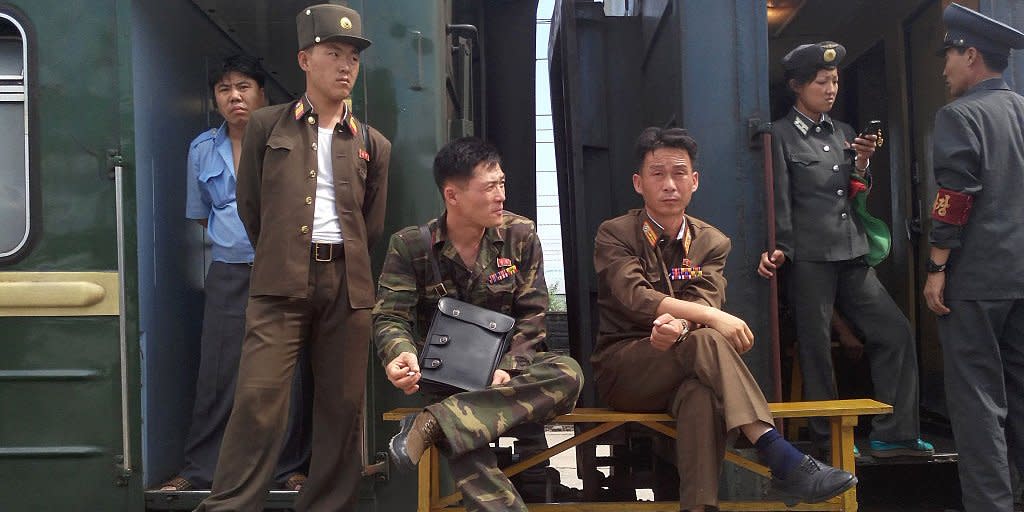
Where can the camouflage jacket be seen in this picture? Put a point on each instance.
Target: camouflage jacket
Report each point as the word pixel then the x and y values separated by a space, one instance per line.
pixel 508 277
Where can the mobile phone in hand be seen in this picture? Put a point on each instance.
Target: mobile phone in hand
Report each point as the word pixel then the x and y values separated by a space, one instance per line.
pixel 874 127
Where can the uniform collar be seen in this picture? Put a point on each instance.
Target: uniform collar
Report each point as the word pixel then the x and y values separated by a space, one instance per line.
pixel 991 84
pixel 652 232
pixel 304 112
pixel 661 229
pixel 805 125
pixel 439 231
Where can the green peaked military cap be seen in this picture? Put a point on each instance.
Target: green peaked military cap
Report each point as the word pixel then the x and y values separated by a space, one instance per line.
pixel 328 22
pixel 823 54
pixel 966 28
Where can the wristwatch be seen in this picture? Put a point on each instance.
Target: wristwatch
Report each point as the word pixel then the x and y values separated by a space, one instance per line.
pixel 686 330
pixel 935 267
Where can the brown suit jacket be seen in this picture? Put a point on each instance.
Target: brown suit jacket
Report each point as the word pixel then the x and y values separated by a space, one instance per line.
pixel 631 282
pixel 276 184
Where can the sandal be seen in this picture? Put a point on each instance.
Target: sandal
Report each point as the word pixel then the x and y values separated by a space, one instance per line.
pixel 176 484
pixel 295 482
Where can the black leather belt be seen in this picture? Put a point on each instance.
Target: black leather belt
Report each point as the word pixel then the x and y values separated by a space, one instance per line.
pixel 324 252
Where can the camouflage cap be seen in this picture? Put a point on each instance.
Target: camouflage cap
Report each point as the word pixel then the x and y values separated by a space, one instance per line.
pixel 323 22
pixel 824 54
pixel 967 28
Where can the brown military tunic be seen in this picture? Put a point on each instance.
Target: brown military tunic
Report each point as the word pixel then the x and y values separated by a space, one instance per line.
pixel 701 381
pixel 296 299
pixel 276 184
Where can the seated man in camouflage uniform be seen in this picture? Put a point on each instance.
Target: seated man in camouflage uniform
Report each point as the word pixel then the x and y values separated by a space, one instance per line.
pixel 664 344
pixel 476 245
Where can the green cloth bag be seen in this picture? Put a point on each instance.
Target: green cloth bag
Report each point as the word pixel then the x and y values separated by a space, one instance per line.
pixel 879 238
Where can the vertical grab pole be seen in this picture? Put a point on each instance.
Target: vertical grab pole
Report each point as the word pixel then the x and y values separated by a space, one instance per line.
pixel 773 283
pixel 125 464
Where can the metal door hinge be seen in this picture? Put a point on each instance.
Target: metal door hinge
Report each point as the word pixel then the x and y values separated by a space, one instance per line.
pixel 122 473
pixel 115 160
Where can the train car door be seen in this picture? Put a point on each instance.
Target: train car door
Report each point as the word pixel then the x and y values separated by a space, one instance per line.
pixel 68 373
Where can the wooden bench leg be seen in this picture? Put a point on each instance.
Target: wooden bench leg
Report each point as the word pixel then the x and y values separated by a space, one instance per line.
pixel 842 456
pixel 428 481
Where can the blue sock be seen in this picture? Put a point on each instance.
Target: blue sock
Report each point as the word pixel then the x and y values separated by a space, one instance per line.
pixel 780 456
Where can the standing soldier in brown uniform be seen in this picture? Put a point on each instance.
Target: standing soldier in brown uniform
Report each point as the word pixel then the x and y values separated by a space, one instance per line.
pixel 664 343
pixel 975 271
pixel 491 258
pixel 312 182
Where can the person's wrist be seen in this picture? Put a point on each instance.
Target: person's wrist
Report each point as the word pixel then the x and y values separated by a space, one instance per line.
pixel 935 268
pixel 684 330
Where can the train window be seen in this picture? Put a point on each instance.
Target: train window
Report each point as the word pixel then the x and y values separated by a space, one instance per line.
pixel 14 165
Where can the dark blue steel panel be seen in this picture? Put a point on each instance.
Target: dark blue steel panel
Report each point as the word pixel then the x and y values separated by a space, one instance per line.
pixel 725 83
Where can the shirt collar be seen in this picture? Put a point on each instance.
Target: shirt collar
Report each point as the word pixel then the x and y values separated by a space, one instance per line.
pixel 804 124
pixel 222 145
pixel 682 227
pixel 304 112
pixel 220 134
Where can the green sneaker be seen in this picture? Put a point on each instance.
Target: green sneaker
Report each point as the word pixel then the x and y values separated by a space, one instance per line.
pixel 908 448
pixel 856 452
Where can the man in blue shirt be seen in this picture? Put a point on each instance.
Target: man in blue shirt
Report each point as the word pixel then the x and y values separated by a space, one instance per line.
pixel 237 89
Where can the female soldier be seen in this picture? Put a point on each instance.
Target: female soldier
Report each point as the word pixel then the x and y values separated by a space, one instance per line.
pixel 818 232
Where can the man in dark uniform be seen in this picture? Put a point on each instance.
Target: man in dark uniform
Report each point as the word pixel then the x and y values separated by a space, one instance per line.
pixel 312 182
pixel 820 164
pixel 975 272
pixel 664 343
pixel 491 258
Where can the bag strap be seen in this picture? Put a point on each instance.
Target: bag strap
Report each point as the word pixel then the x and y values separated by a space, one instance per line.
pixel 428 242
pixel 364 129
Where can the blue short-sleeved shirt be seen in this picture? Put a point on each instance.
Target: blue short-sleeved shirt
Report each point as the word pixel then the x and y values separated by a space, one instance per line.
pixel 211 195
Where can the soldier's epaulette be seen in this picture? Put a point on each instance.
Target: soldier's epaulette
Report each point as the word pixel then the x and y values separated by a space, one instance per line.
pixel 952 207
pixel 205 136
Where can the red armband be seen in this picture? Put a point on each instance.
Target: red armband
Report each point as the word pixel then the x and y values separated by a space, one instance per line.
pixel 952 207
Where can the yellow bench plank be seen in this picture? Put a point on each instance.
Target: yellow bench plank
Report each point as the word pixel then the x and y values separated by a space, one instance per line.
pixel 852 407
pixel 663 506
pixel 843 414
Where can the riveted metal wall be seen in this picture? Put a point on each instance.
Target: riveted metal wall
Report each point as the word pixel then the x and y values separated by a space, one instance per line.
pixel 695 64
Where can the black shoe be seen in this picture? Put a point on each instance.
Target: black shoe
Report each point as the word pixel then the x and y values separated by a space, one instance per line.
pixel 419 432
pixel 812 482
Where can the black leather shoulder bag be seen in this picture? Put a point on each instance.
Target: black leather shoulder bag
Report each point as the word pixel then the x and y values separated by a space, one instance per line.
pixel 465 342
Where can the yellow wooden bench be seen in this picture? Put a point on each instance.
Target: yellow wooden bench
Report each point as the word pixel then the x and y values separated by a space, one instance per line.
pixel 842 414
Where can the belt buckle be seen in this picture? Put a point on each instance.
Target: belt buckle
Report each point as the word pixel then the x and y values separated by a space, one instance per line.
pixel 316 252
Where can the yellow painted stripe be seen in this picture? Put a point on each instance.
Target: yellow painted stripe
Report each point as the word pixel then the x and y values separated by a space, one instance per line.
pixel 58 293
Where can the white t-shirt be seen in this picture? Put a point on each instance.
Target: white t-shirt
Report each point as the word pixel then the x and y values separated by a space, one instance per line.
pixel 326 226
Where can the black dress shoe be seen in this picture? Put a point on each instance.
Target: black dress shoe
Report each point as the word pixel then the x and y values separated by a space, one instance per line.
pixel 812 482
pixel 419 432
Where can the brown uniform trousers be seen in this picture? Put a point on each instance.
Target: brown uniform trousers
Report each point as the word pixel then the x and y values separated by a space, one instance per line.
pixel 338 338
pixel 703 383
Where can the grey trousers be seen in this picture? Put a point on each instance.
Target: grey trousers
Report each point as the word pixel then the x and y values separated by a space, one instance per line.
pixel 227 292
pixel 983 350
pixel 852 287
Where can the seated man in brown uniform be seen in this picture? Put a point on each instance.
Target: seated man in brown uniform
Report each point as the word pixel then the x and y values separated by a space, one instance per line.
pixel 664 344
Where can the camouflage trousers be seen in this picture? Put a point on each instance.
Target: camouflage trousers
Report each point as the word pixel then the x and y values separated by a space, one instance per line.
pixel 472 420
